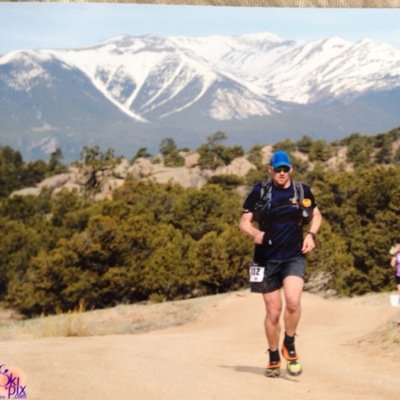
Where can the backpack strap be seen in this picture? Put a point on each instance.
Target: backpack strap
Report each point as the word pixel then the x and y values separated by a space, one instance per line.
pixel 263 203
pixel 298 192
pixel 266 194
pixel 306 212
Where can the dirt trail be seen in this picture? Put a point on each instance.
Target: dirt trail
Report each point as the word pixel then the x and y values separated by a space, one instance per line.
pixel 220 356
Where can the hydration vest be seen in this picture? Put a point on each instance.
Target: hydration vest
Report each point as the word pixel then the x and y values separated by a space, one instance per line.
pixel 263 205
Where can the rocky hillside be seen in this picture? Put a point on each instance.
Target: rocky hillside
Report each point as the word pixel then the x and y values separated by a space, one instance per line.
pixel 106 180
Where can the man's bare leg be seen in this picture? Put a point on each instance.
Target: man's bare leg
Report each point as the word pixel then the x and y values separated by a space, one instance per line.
pixel 293 288
pixel 273 308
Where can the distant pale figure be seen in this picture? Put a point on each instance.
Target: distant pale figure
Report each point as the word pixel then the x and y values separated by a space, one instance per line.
pixel 395 263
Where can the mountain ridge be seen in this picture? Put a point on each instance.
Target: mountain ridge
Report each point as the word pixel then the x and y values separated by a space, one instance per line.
pixel 246 84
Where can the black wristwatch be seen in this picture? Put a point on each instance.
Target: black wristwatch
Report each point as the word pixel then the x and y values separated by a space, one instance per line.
pixel 312 234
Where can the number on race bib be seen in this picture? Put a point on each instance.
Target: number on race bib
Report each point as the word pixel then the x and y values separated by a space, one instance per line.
pixel 256 273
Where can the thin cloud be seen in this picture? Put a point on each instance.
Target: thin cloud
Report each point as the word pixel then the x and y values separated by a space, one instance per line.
pixel 66 25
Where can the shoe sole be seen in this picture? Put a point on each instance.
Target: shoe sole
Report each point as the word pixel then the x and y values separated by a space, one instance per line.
pixel 272 373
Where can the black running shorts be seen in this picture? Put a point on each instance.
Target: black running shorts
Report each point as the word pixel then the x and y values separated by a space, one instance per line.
pixel 276 271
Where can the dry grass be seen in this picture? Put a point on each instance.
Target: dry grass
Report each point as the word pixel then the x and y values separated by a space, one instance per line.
pixel 122 319
pixel 139 318
pixel 68 324
pixel 386 339
pixel 391 334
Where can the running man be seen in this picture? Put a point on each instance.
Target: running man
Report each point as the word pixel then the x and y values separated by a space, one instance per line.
pixel 281 207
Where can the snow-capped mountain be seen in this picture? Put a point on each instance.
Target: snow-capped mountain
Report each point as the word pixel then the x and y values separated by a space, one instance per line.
pixel 129 92
pixel 150 78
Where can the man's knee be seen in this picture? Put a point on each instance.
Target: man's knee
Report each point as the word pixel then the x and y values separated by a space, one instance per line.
pixel 273 306
pixel 273 314
pixel 293 304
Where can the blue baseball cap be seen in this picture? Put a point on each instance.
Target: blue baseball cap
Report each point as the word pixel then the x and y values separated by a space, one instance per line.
pixel 279 159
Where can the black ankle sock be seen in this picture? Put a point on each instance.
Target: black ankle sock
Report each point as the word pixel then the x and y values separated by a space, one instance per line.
pixel 289 340
pixel 274 355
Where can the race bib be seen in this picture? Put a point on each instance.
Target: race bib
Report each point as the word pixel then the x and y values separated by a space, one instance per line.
pixel 256 273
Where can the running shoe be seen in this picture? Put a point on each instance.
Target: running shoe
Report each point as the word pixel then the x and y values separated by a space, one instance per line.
pixel 273 369
pixel 293 364
pixel 294 367
pixel 289 352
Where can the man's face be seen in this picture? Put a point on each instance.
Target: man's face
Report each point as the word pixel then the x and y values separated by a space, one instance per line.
pixel 281 176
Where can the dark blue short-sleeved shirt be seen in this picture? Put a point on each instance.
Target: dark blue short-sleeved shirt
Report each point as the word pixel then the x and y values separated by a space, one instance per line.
pixel 283 225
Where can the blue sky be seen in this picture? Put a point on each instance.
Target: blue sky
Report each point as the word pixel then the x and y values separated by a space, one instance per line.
pixel 68 25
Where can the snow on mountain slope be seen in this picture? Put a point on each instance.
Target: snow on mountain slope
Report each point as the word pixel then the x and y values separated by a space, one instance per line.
pixel 303 72
pixel 150 78
pixel 28 71
pixel 128 91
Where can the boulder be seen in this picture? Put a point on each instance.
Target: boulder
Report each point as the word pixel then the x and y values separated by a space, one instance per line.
pixel 29 191
pixel 56 181
pixel 180 175
pixel 141 168
pixel 70 187
pixel 239 166
pixel 266 153
pixel 121 170
pixel 192 160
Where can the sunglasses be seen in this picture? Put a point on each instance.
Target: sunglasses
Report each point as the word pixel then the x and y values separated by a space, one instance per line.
pixel 281 169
